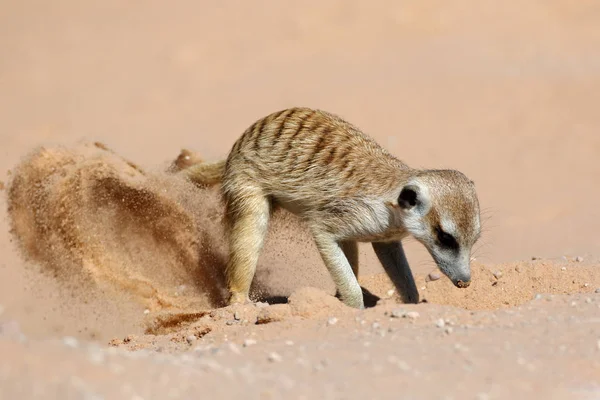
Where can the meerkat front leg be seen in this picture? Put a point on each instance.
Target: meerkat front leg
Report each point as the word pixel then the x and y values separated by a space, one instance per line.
pixel 248 224
pixel 340 270
pixel 392 257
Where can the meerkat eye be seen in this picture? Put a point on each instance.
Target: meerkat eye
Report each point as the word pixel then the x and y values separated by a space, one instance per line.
pixel 446 239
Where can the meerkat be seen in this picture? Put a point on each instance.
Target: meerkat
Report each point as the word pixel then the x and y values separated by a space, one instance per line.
pixel 347 189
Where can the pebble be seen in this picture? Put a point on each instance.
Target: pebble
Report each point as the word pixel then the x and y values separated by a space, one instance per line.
pixel 440 323
pixel 70 341
pixel 597 290
pixel 332 321
pixel 249 342
pixel 146 311
pixel 578 259
pixel 261 304
pixel 398 313
pixel 237 316
pixel 518 269
pixel 412 315
pixel 10 328
pixel 497 274
pixel 563 269
pixel 234 348
pixel 448 330
pixel 588 300
pixel 375 325
pixel 390 292
pixel 190 339
pixel 96 355
pixel 274 357
pixel 401 364
pixel 434 276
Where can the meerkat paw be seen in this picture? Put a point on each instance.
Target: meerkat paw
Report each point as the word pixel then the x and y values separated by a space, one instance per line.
pixel 184 160
pixel 239 298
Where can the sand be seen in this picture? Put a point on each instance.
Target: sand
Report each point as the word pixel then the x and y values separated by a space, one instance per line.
pixel 111 280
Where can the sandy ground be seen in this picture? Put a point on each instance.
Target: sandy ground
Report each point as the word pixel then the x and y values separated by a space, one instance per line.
pixel 110 275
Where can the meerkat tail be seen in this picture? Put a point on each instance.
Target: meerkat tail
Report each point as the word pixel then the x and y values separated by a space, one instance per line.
pixel 201 173
pixel 206 174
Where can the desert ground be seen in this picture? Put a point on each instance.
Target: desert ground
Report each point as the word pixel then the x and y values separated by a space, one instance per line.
pixel 111 268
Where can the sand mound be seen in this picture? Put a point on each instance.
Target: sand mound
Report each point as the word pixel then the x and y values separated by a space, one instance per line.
pixel 90 217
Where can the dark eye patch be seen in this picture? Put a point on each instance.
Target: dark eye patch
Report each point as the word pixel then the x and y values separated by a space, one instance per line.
pixel 446 240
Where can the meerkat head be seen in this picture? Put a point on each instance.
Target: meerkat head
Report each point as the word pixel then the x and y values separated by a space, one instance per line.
pixel 441 210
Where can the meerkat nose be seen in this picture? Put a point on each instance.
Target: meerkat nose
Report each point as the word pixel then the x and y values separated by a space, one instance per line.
pixel 462 284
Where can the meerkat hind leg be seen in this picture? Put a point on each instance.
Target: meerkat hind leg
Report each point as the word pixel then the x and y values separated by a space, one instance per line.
pixel 247 232
pixel 340 270
pixel 392 257
pixel 350 249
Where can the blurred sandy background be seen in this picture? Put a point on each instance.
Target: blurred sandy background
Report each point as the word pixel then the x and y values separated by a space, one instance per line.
pixel 506 92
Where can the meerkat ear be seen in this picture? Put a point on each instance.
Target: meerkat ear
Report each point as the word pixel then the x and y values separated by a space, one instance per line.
pixel 409 197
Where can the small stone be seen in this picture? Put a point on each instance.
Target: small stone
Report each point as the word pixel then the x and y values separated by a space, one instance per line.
pixel 433 276
pixel 249 342
pixel 190 339
pixel 588 300
pixel 440 323
pixel 146 311
pixel 448 330
pixel 229 323
pixel 96 355
pixel 563 269
pixel 274 357
pixel 375 325
pixel 237 315
pixel 578 259
pixel 261 304
pixel 70 341
pixel 518 269
pixel 573 304
pixel 411 315
pixel 332 321
pixel 534 258
pixel 398 313
pixel 234 348
pixel 497 274
pixel 390 292
pixel 538 296
pixel 597 290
